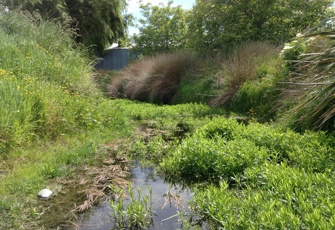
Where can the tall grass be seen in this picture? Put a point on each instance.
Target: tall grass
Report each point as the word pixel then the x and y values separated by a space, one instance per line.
pixel 241 66
pixel 153 79
pixel 312 81
pixel 41 72
pixel 28 47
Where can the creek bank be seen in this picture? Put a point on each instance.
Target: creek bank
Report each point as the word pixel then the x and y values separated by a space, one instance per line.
pixel 82 189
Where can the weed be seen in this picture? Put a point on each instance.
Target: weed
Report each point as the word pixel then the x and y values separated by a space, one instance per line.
pixel 277 197
pixel 137 215
pixel 224 148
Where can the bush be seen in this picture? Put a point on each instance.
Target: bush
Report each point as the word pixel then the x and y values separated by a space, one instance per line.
pixel 224 148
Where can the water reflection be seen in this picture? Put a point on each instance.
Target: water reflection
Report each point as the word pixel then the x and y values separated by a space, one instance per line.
pixel 164 209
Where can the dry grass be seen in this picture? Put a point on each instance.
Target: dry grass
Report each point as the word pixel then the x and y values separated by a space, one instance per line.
pixel 154 79
pixel 240 67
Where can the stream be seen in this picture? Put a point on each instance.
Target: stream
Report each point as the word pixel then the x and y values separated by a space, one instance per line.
pixel 164 212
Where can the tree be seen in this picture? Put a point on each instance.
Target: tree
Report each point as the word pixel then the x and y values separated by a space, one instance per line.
pixel 162 30
pixel 98 23
pixel 219 24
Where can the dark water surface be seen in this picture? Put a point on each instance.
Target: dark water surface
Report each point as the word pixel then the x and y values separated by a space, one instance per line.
pixel 164 213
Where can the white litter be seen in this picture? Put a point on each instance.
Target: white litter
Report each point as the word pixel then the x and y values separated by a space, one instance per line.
pixel 45 193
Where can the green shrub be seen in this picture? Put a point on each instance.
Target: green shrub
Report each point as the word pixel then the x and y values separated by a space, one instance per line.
pixel 200 159
pixel 292 52
pixel 224 148
pixel 259 98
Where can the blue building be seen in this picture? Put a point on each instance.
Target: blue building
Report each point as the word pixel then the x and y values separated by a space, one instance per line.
pixel 115 58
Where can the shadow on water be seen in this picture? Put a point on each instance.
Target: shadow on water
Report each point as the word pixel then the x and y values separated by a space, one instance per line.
pixel 165 210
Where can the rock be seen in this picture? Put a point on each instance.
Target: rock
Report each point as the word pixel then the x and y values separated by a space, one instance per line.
pixel 44 193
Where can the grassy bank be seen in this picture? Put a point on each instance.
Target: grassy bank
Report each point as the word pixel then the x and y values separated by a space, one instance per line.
pixel 52 116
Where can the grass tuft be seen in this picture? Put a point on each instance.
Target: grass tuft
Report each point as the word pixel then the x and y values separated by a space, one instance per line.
pixel 241 66
pixel 154 79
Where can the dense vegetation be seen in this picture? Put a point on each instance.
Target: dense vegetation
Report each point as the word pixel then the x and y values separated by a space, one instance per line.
pixel 97 23
pixel 216 25
pixel 204 128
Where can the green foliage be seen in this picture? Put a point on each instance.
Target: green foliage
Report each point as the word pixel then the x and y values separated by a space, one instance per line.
pixel 262 176
pixel 252 62
pixel 219 24
pixel 212 160
pixel 48 54
pixel 223 148
pixel 292 52
pixel 273 197
pixel 198 87
pixel 162 30
pixel 97 23
pixel 258 98
pixel 137 215
pixel 46 87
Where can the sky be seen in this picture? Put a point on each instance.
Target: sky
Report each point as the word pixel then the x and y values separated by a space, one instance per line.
pixel 134 8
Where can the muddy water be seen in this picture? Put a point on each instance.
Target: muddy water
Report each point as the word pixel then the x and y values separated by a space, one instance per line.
pixel 164 212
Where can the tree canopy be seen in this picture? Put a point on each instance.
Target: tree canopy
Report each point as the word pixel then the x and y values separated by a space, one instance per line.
pixel 163 29
pixel 98 23
pixel 217 24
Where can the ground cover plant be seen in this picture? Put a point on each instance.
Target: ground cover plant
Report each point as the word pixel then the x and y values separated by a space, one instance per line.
pixel 260 176
pixel 274 197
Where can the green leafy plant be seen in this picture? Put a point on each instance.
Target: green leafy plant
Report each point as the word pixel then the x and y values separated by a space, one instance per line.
pixel 136 215
pixel 209 156
pixel 274 197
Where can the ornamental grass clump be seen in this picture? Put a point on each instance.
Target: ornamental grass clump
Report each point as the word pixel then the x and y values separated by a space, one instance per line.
pixel 241 66
pixel 153 79
pixel 312 81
